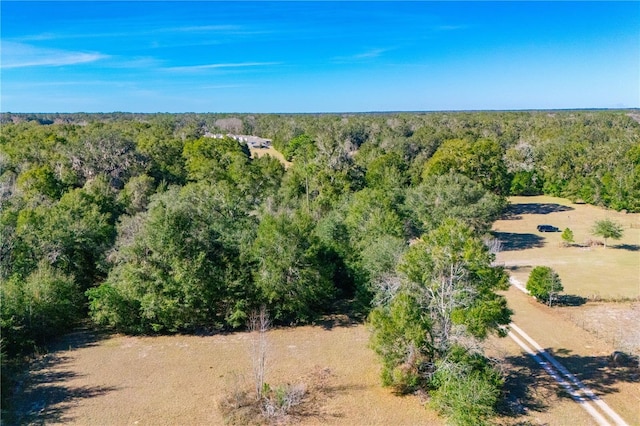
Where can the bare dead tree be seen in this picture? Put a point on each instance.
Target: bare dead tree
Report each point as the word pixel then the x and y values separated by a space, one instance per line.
pixel 386 287
pixel 493 244
pixel 259 324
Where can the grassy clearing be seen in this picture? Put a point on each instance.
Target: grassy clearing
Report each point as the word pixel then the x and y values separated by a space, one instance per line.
pixel 583 335
pixel 168 380
pixel 592 272
pixel 260 152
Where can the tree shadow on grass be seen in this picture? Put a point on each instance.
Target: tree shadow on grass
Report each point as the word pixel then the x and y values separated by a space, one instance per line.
pixel 524 387
pixel 41 394
pixel 515 211
pixel 512 241
pixel 528 387
pixel 570 300
pixel 600 373
pixel 628 247
pixel 329 322
pixel 343 313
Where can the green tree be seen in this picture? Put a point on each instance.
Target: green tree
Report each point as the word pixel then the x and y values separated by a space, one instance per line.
pixel 526 183
pixel 164 151
pixel 567 236
pixel 452 195
pixel 466 388
pixel 106 151
pixel 401 331
pixel 293 281
pixel 322 173
pixel 268 176
pixel 136 193
pixel 450 285
pixel 607 228
pixel 35 309
pixel 301 145
pixel 301 176
pixel 387 172
pixel 480 161
pixel 370 213
pixel 42 180
pixel 179 265
pixel 544 284
pixel 73 234
pixel 216 160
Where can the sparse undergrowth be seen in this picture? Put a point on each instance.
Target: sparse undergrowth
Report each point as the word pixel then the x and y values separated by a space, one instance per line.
pixel 609 299
pixel 281 404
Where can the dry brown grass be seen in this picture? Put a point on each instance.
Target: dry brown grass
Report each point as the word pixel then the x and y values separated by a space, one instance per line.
pixel 260 152
pixel 583 336
pixel 171 380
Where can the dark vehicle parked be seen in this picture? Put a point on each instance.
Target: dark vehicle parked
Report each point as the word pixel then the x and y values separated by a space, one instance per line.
pixel 547 228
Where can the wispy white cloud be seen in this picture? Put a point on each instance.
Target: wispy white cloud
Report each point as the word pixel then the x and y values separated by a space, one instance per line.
pixel 221 65
pixel 38 37
pixel 369 54
pixel 20 55
pixel 135 62
pixel 71 83
pixel 219 29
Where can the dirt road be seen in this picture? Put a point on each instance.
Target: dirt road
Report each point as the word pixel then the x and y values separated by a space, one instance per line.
pixel 536 395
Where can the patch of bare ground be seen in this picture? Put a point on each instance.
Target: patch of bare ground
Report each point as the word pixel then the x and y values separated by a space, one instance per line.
pixel 183 379
pixel 616 323
pixel 271 151
pixel 635 116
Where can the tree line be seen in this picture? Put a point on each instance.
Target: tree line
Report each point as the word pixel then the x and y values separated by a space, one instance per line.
pixel 143 225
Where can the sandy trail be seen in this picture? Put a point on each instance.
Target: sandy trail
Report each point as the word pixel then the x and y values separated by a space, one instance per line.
pixel 587 357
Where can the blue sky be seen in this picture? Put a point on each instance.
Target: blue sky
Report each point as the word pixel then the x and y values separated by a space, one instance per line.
pixel 210 56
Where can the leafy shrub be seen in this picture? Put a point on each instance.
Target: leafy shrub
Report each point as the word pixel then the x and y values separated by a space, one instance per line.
pixel 544 284
pixel 465 388
pixel 567 236
pixel 45 304
pixel 399 333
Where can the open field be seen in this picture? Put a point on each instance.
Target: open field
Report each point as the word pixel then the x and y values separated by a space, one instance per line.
pixel 616 323
pixel 593 272
pixel 171 380
pixel 260 152
pixel 584 333
pixel 587 273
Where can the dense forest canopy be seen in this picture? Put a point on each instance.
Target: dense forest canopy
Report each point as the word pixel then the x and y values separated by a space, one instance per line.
pixel 144 224
pixel 166 229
